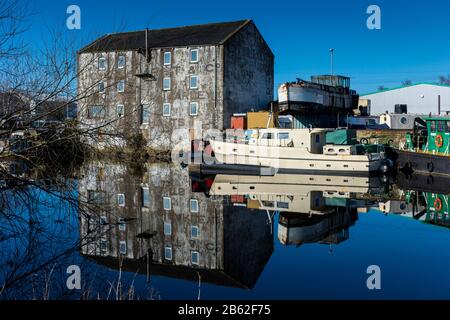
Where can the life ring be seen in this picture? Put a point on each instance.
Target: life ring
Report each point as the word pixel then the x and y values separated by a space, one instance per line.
pixel 438 204
pixel 439 141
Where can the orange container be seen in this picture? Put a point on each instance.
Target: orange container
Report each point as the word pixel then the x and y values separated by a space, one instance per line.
pixel 238 123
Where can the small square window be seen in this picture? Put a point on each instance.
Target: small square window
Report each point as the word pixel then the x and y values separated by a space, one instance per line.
pixel 166 84
pixel 167 203
pixel 193 82
pixel 167 58
pixel 167 228
pixel 121 200
pixel 123 247
pixel 122 224
pixel 96 112
pixel 101 87
pixel 121 61
pixel 193 108
pixel 103 245
pixel 145 114
pixel 145 192
pixel 120 110
pixel 166 109
pixel 194 55
pixel 194 232
pixel 193 205
pixel 103 220
pixel 194 257
pixel 121 86
pixel 168 253
pixel 101 63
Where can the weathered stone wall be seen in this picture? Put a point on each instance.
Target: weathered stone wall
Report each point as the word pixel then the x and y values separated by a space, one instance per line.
pixel 393 137
pixel 248 73
pixel 165 132
pixel 88 80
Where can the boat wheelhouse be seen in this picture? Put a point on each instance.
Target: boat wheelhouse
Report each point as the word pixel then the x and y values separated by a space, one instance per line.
pixel 427 148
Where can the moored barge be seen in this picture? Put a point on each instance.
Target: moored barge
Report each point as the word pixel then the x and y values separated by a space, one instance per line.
pixel 427 148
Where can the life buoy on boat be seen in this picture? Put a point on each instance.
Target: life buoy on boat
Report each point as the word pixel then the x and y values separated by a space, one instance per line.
pixel 439 141
pixel 438 204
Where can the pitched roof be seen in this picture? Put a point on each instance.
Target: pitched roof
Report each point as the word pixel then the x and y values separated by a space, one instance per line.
pixel 402 87
pixel 204 34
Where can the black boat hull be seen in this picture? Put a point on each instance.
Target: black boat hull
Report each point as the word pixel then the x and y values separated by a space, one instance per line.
pixel 423 163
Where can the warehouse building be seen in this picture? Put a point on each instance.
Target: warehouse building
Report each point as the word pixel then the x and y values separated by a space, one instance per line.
pixel 420 98
pixel 165 82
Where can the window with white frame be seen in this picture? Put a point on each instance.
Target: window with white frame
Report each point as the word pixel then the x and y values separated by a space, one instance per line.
pixel 193 82
pixel 168 253
pixel 166 109
pixel 123 247
pixel 103 245
pixel 103 220
pixel 120 110
pixel 145 114
pixel 167 228
pixel 195 257
pixel 121 200
pixel 121 61
pixel 101 87
pixel 166 84
pixel 167 58
pixel 121 86
pixel 101 63
pixel 96 112
pixel 193 204
pixel 194 55
pixel 122 224
pixel 167 203
pixel 145 193
pixel 193 108
pixel 194 232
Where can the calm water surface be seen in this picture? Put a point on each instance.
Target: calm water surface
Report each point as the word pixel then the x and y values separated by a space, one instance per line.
pixel 165 232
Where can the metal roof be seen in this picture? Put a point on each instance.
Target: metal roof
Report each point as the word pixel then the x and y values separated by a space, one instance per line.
pixel 403 87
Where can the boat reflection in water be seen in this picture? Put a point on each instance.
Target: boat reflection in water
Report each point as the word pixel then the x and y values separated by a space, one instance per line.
pixel 158 224
pixel 312 208
pixel 425 198
pixel 168 221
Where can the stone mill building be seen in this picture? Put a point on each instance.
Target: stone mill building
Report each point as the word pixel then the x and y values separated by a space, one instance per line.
pixel 172 84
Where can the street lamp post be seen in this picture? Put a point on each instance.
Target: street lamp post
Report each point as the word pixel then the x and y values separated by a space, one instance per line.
pixel 331 57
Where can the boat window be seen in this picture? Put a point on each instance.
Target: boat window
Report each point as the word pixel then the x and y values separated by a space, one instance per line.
pixel 433 126
pixel 282 205
pixel 448 126
pixel 317 138
pixel 267 135
pixel 441 126
pixel 283 135
pixel 268 204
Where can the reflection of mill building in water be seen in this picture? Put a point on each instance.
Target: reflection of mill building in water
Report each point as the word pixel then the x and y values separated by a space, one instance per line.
pixel 182 232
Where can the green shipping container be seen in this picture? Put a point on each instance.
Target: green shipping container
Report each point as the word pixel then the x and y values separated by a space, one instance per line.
pixel 341 137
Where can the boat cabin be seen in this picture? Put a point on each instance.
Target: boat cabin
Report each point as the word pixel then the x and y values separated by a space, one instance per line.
pixel 430 135
pixel 311 139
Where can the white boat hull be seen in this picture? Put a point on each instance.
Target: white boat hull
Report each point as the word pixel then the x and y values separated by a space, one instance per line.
pixel 288 159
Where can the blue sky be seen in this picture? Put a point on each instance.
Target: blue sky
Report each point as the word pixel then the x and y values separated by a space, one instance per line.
pixel 412 44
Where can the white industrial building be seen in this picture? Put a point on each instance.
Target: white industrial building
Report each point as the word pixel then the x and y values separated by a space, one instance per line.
pixel 420 98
